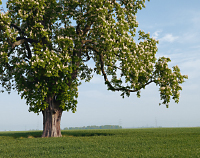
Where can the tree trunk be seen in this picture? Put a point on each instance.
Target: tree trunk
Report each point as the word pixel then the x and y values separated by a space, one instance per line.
pixel 51 118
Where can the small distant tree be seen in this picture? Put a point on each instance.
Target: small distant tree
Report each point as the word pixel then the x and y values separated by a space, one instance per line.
pixel 43 56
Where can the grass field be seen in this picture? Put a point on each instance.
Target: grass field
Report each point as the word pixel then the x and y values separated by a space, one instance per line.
pixel 152 142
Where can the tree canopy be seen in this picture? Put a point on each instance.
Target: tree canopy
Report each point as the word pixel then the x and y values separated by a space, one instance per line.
pixel 45 46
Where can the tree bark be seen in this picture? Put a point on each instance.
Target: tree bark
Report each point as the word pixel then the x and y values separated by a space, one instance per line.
pixel 51 118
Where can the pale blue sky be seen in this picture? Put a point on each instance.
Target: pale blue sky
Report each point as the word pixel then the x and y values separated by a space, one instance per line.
pixel 176 24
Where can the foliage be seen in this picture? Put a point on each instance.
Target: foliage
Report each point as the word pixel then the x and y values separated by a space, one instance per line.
pixel 155 142
pixel 42 54
pixel 95 127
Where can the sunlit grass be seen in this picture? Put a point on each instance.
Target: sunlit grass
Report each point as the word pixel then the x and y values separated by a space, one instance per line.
pixel 155 142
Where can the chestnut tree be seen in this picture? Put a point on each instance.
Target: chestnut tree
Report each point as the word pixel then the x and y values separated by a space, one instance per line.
pixel 45 46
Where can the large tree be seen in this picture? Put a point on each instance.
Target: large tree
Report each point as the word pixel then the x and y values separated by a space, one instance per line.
pixel 45 46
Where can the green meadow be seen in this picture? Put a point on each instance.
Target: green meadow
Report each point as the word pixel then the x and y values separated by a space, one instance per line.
pixel 125 143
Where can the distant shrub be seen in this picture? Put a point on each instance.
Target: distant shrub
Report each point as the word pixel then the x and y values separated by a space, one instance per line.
pixel 95 127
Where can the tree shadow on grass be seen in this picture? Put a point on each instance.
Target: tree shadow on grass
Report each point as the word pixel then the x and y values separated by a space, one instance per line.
pixel 65 133
pixel 21 134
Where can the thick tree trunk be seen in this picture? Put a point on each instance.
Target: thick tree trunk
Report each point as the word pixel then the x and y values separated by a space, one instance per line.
pixel 51 119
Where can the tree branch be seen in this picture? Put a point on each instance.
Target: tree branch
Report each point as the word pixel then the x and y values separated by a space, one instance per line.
pixel 27 39
pixel 78 31
pixel 21 40
pixel 110 87
pixel 88 57
pixel 29 50
pixel 18 43
pixel 87 28
pixel 86 41
pixel 16 27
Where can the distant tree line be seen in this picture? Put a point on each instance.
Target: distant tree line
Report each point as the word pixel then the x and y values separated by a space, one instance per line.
pixel 95 127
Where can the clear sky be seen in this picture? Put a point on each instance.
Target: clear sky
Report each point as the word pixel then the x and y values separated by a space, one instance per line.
pixel 176 24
